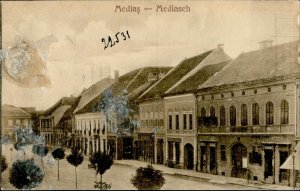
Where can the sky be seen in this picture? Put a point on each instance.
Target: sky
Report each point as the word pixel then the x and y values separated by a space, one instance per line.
pixel 77 58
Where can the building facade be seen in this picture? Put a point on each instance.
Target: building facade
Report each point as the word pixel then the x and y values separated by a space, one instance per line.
pixel 14 117
pixel 91 131
pixel 248 116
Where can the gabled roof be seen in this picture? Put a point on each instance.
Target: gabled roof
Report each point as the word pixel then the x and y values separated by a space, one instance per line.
pixel 88 95
pixel 271 62
pixel 174 75
pixel 12 111
pixel 201 73
pixel 63 101
pixel 191 84
pixel 134 82
pixel 135 79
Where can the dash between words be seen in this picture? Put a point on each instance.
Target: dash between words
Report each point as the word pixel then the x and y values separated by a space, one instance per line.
pixel 159 8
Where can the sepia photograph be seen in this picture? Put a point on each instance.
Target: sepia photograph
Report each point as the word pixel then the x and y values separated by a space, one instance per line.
pixel 150 95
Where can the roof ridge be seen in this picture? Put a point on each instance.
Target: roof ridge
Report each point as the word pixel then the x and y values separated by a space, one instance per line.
pixel 193 71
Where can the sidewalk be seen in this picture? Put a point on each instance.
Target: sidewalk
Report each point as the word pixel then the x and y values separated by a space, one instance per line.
pixel 204 176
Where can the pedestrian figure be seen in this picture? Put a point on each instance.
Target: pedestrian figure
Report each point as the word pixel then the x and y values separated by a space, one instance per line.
pixel 248 175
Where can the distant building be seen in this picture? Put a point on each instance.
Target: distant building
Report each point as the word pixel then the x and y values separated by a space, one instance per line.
pixel 91 125
pixel 13 117
pixel 51 119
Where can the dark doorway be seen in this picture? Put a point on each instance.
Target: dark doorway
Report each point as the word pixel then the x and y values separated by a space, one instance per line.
pixel 202 159
pixel 136 153
pixel 268 163
pixel 213 162
pixel 189 156
pixel 238 152
pixel 160 151
pixel 283 173
pixel 177 156
pixel 127 148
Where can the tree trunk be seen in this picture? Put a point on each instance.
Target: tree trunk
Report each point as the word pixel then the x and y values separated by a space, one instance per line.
pixel 101 181
pixel 76 177
pixel 58 170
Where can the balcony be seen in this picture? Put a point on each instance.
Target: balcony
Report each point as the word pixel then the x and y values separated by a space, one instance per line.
pixel 287 129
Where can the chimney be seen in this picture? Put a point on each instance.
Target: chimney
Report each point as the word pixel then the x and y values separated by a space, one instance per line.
pixel 265 44
pixel 221 46
pixel 116 75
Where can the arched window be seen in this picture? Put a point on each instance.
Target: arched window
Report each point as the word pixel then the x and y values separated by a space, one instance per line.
pixel 232 116
pixel 203 112
pixel 244 119
pixel 269 113
pixel 255 114
pixel 222 116
pixel 284 112
pixel 212 112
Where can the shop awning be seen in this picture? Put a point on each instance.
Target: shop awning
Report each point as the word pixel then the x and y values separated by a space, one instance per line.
pixel 289 164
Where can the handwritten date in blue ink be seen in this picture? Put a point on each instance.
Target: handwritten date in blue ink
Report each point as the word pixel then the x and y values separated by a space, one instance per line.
pixel 116 39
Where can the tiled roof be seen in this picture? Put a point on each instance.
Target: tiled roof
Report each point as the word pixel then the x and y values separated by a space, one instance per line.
pixel 191 84
pixel 275 61
pixel 12 111
pixel 63 101
pixel 92 92
pixel 134 82
pixel 173 76
pixel 59 112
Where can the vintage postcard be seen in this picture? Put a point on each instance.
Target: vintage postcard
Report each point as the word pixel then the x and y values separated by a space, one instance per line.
pixel 150 95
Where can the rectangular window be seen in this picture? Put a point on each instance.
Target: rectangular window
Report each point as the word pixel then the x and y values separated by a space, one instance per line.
pixel 255 156
pixel 191 120
pixel 170 121
pixel 243 92
pixel 269 89
pixel 184 121
pixel 255 91
pixel 177 121
pixel 223 153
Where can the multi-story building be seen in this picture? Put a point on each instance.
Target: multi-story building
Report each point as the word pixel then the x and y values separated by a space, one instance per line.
pixel 167 109
pixel 112 106
pixel 91 125
pixel 130 86
pixel 14 117
pixel 249 115
pixel 50 120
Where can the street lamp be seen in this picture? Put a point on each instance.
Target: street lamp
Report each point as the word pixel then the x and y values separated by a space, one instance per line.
pixel 294 179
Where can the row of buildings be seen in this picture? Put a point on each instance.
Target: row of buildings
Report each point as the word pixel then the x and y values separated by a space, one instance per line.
pixel 209 113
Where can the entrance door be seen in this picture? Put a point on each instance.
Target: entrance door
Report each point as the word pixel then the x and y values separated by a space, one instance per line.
pixel 268 163
pixel 283 173
pixel 213 162
pixel 189 156
pixel 238 151
pixel 127 148
pixel 202 159
pixel 160 152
